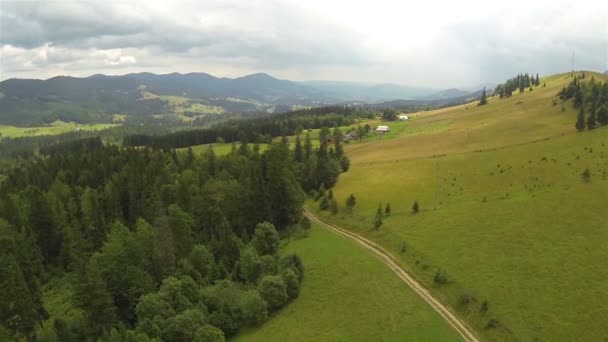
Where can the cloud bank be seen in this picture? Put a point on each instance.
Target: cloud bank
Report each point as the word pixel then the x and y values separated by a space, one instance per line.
pixel 435 43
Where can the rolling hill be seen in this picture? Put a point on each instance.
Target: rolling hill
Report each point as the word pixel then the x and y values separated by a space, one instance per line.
pixel 510 232
pixel 96 99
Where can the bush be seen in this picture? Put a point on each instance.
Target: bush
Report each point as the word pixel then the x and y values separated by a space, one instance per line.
pixel 250 265
pixel 484 306
pixel 586 175
pixel 270 264
pixel 415 207
pixel 209 333
pixel 492 324
pixel 265 239
pixel 274 291
pixel 292 282
pixel 253 308
pixel 305 223
pixel 324 203
pixel 440 277
pixel 293 262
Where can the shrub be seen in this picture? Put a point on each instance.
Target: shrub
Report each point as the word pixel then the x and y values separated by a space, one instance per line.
pixel 484 306
pixel 273 290
pixel 305 223
pixel 415 207
pixel 492 324
pixel 586 175
pixel 324 204
pixel 440 277
pixel 292 282
pixel 209 333
pixel 265 239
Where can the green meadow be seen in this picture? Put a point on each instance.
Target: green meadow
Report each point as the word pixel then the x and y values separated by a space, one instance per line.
pixel 349 295
pixel 57 127
pixel 515 234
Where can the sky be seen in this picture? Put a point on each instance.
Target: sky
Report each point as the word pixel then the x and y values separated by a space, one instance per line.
pixel 424 43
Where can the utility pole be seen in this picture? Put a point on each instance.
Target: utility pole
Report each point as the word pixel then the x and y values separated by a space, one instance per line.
pixel 573 62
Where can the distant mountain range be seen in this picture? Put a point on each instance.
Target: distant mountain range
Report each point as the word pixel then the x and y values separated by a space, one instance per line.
pixel 97 98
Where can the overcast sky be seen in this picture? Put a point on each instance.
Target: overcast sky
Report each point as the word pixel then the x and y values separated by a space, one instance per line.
pixel 423 42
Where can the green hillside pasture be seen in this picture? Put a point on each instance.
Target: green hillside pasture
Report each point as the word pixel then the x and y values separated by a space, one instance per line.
pixel 518 226
pixel 349 295
pixel 181 105
pixel 57 127
pixel 220 149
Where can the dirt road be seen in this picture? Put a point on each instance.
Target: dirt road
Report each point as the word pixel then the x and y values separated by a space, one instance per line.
pixel 390 261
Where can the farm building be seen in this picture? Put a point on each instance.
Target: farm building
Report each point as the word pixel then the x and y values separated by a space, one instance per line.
pixel 382 129
pixel 352 135
pixel 403 117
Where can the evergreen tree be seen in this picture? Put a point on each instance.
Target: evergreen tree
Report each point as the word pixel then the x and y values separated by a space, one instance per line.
pixel 307 147
pixel 351 201
pixel 298 151
pixel 95 300
pixel 580 120
pixel 592 119
pixel 17 304
pixel 484 98
pixel 415 207
pixel 333 206
pixel 602 115
pixel 387 209
pixel 378 218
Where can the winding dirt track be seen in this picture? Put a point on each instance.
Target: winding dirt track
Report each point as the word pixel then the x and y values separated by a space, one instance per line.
pixel 390 261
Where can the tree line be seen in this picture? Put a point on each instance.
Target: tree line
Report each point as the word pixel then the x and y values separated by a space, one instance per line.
pixel 520 82
pixel 156 244
pixel 591 100
pixel 254 130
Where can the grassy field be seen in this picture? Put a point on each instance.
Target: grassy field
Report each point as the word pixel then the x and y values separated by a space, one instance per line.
pixel 182 105
pixel 517 227
pixel 220 149
pixel 349 295
pixel 57 127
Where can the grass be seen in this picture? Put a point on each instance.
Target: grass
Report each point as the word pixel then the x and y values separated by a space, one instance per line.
pixel 220 149
pixel 57 127
pixel 349 295
pixel 517 226
pixel 181 105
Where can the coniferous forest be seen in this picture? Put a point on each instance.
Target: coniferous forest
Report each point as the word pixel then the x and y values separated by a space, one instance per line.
pixel 156 244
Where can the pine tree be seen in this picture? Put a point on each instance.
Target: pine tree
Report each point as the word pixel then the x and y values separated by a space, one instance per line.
pixel 580 120
pixel 387 209
pixel 351 201
pixel 378 218
pixel 484 98
pixel 298 151
pixel 333 206
pixel 94 298
pixel 602 115
pixel 307 147
pixel 591 120
pixel 415 207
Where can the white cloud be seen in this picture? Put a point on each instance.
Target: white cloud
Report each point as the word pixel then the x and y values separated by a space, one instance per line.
pixel 429 43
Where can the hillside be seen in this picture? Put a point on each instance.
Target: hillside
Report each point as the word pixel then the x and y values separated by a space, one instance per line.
pixel 185 97
pixel 515 245
pixel 97 98
pixel 329 306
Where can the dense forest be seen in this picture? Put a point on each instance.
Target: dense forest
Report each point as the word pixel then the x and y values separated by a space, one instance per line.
pixel 156 244
pixel 590 98
pixel 256 130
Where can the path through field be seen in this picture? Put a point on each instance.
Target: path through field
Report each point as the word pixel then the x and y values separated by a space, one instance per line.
pixel 389 261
